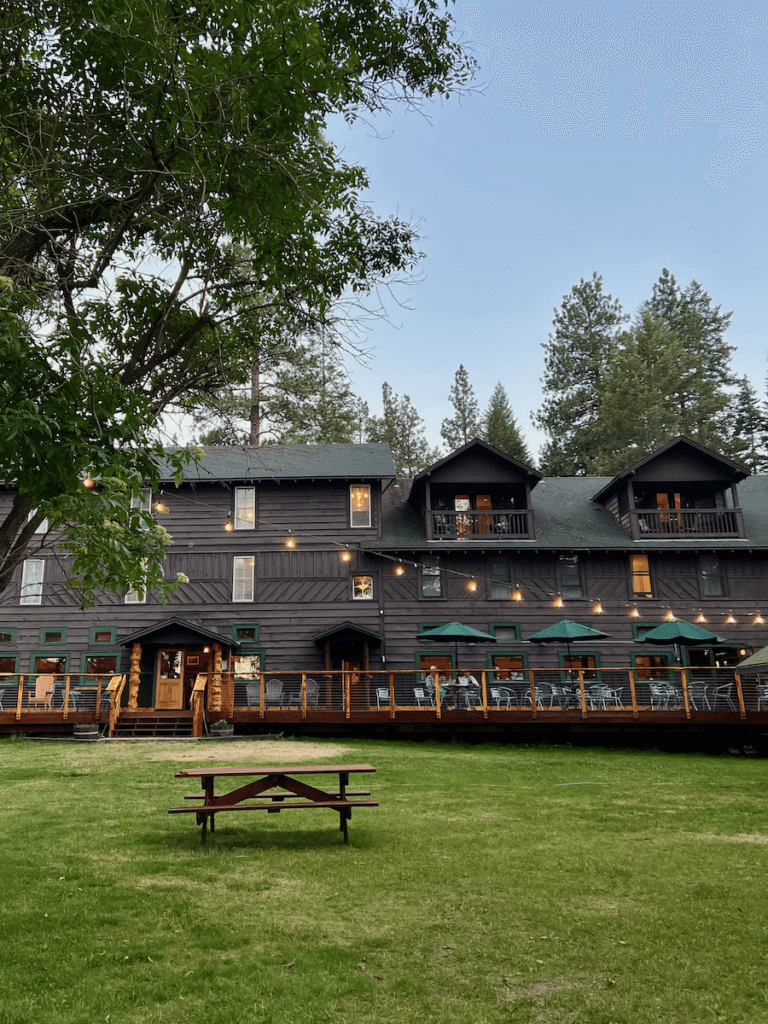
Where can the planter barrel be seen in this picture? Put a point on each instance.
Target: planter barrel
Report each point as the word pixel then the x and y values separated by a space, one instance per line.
pixel 86 732
pixel 224 730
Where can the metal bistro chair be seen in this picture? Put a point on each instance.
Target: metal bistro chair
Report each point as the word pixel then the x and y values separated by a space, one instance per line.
pixel 563 695
pixel 697 695
pixel 421 695
pixel 501 693
pixel 762 695
pixel 723 693
pixel 540 696
pixel 382 697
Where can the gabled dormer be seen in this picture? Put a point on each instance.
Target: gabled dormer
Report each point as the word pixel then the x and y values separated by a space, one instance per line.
pixel 476 493
pixel 681 488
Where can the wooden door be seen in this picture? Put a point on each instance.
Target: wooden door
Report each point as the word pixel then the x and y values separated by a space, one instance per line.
pixel 195 662
pixel 169 686
pixel 484 523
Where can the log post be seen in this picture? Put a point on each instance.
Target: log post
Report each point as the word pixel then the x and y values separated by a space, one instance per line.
pixel 134 678
pixel 214 700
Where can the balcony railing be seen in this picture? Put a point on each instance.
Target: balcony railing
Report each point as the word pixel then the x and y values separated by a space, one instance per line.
pixel 701 522
pixel 450 525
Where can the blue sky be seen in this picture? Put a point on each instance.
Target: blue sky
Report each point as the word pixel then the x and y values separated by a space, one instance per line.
pixel 612 138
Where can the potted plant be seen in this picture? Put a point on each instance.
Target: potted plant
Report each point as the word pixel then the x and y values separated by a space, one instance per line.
pixel 222 728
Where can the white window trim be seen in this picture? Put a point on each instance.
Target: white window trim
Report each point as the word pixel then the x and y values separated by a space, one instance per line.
pixel 32 575
pixel 362 597
pixel 242 523
pixel 353 510
pixel 244 560
pixel 42 527
pixel 132 596
pixel 145 501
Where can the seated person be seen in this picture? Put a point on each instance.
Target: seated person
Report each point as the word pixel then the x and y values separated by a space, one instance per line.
pixel 466 680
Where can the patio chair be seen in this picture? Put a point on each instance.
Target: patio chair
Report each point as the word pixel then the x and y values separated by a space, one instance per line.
pixel 562 695
pixel 420 695
pixel 382 697
pixel 540 696
pixel 313 693
pixel 273 693
pixel 660 696
pixel 762 695
pixel 723 693
pixel 252 694
pixel 43 693
pixel 697 692
pixel 501 693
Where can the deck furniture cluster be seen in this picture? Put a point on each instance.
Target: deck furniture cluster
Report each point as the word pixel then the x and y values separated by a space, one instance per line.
pixel 313 570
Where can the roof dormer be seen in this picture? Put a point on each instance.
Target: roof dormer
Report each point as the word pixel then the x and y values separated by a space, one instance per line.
pixel 476 493
pixel 681 488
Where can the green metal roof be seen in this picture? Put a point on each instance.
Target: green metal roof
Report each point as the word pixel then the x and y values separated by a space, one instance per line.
pixel 291 462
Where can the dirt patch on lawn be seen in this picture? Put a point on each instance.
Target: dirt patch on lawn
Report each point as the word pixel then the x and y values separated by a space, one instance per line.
pixel 249 752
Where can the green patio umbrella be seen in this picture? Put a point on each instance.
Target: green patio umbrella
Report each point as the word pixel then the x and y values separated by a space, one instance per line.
pixel 458 633
pixel 680 634
pixel 568 632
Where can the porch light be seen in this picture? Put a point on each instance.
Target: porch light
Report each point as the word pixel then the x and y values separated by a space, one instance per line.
pixel 701 617
pixel 206 650
pixel 635 613
pixel 758 619
pixel 670 616
pixel 558 602
pixel 470 586
pixel 518 594
pixel 730 621
pixel 598 609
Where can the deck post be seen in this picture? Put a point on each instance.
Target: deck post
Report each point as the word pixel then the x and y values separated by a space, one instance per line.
pixel 67 679
pixel 438 704
pixel 303 694
pixel 134 678
pixel 740 695
pixel 391 694
pixel 485 694
pixel 20 698
pixel 684 682
pixel 582 694
pixel 261 695
pixel 346 690
pixel 633 691
pixel 99 687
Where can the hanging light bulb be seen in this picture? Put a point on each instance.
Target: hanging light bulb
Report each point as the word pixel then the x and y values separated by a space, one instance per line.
pixel 289 541
pixel 701 617
pixel 558 602
pixel 598 609
pixel 730 621
pixel 758 619
pixel 399 570
pixel 346 555
pixel 161 507
pixel 635 613
pixel 472 585
pixel 670 616
pixel 228 526
pixel 88 482
pixel 518 594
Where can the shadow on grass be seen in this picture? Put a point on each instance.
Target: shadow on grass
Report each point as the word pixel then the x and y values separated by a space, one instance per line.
pixel 230 839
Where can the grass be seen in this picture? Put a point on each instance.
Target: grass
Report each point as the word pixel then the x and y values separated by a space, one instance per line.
pixel 492 885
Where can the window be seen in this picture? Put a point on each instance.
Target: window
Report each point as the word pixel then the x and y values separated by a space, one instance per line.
pixel 362 588
pixel 360 505
pixel 573 662
pixel 53 636
pixel 570 576
pixel 508 666
pixel 7 637
pixel 247 664
pixel 102 635
pixel 145 501
pixel 245 508
pixel 32 581
pixel 100 664
pixel 711 576
pixel 53 664
pixel 431 582
pixel 135 596
pixel 42 526
pixel 8 663
pixel 641 575
pixel 242 578
pixel 651 666
pixel 500 587
pixel 245 631
pixel 504 630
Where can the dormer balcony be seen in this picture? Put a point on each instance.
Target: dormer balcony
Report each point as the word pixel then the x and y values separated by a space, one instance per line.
pixel 490 524
pixel 699 522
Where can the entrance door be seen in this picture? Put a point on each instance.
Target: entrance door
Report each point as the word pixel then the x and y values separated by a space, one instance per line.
pixel 169 688
pixel 195 662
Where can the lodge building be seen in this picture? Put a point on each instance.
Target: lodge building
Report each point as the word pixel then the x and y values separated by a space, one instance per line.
pixel 316 568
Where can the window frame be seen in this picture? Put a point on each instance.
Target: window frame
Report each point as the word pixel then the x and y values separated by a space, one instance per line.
pixel 639 629
pixel 246 625
pixel 565 673
pixel 144 502
pixel 352 524
pixel 11 630
pixel 505 585
pixel 435 572
pixel 16 657
pixel 85 655
pixel 491 668
pixel 649 594
pixel 34 655
pixel 492 626
pixel 667 676
pixel 424 626
pixel 52 629
pixel 252 598
pixel 561 578
pixel 238 522
pixel 32 600
pixel 438 653
pixel 703 576
pixel 93 630
pixel 363 576
pixel 249 652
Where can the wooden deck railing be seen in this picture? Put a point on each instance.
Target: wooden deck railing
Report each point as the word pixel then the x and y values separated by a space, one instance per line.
pixel 115 689
pixel 702 522
pixel 493 523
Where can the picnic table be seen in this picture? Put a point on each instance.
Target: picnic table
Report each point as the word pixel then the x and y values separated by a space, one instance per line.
pixel 295 794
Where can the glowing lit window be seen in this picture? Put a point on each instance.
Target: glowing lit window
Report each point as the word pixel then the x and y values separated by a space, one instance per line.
pixel 641 575
pixel 360 505
pixel 245 508
pixel 362 588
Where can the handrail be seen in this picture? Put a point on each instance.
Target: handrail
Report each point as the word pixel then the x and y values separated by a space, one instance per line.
pixel 197 703
pixel 115 690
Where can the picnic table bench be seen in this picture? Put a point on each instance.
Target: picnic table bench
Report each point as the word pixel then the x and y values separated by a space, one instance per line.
pixel 296 794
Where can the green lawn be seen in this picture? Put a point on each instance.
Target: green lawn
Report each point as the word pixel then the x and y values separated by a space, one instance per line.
pixel 491 885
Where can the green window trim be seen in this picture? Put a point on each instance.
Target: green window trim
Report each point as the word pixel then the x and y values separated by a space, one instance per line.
pixel 11 630
pixel 85 655
pixel 423 626
pixel 438 654
pixel 565 676
pixel 53 629
pixel 666 675
pixel 92 641
pixel 493 626
pixel 639 629
pixel 34 655
pixel 15 656
pixel 246 625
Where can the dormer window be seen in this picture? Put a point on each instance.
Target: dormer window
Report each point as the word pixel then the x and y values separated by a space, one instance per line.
pixel 360 505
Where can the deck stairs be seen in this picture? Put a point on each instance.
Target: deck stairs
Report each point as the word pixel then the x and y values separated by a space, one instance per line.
pixel 158 724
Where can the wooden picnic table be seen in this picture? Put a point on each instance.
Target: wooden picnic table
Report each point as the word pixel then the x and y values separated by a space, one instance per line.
pixel 295 793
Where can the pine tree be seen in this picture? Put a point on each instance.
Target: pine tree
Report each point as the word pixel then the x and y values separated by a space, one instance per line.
pixel 499 427
pixel 459 429
pixel 748 428
pixel 576 357
pixel 401 427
